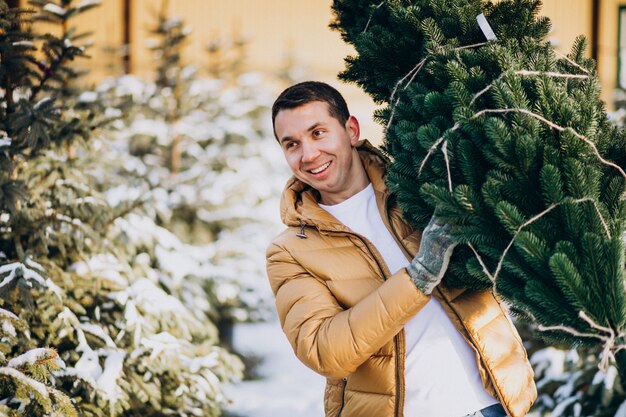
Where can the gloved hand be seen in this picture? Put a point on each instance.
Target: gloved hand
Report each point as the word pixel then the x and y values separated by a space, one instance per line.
pixel 429 265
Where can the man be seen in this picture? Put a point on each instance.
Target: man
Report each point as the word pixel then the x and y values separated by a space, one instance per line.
pixel 358 292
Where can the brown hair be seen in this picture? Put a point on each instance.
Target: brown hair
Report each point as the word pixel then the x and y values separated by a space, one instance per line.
pixel 305 92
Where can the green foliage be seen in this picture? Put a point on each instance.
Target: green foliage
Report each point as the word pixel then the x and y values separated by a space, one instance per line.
pixel 73 269
pixel 25 380
pixel 510 142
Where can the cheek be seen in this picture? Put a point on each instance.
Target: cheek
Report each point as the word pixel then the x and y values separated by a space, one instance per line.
pixel 292 161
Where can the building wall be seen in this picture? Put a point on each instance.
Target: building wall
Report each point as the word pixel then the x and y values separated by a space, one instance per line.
pixel 568 22
pixel 608 48
pixel 274 29
pixel 277 31
pixel 571 18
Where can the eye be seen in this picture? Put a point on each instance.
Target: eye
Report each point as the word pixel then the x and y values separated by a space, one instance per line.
pixel 318 133
pixel 290 145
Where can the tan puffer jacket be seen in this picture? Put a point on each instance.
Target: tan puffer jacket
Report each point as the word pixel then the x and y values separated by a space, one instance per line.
pixel 343 311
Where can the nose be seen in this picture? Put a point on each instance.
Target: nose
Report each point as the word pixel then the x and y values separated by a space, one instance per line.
pixel 309 152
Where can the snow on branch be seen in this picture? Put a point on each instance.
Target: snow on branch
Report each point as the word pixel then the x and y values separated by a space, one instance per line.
pixel 7 315
pixel 15 270
pixel 37 357
pixel 55 9
pixel 608 336
pixel 24 380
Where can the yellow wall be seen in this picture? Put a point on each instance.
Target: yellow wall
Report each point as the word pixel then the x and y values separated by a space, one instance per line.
pixel 609 47
pixel 570 18
pixel 106 22
pixel 573 17
pixel 275 29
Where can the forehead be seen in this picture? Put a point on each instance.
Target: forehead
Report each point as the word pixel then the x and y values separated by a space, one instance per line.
pixel 302 117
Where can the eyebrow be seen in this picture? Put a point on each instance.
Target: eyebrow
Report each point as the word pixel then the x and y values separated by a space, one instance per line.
pixel 310 129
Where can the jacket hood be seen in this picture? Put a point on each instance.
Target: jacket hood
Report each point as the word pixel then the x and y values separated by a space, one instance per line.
pixel 299 201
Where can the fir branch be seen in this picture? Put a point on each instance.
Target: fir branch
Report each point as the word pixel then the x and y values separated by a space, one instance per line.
pixel 539 216
pixel 37 388
pixel 36 357
pixel 482 264
pixel 434 146
pixel 571 61
pixel 556 127
pixel 19 248
pixel 474 45
pixel 416 69
pixel 138 203
pixel 526 73
pixel 49 71
pixel 550 74
pixel 413 73
pixel 483 91
pixel 494 276
pixel 63 218
pixel 542 119
pixel 372 15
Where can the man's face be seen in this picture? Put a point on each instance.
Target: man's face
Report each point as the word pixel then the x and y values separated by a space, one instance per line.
pixel 320 150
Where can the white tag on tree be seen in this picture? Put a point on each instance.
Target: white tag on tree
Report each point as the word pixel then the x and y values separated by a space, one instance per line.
pixel 485 27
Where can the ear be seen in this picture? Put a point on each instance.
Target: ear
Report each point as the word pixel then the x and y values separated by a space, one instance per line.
pixel 353 129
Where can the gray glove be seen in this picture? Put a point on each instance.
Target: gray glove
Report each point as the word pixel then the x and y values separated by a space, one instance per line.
pixel 429 265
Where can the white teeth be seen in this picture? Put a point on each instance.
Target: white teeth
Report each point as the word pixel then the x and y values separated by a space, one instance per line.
pixel 320 169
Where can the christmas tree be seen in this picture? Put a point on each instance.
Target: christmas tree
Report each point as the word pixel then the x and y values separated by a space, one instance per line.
pixel 37 223
pixel 221 197
pixel 510 142
pixel 76 271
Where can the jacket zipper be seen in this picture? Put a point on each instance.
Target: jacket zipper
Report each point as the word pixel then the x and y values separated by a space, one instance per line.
pixel 396 338
pixel 471 341
pixel 343 396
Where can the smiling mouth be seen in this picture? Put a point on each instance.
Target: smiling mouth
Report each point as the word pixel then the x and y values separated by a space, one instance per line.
pixel 320 168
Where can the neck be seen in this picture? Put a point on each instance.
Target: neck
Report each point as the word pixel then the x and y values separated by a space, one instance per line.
pixel 340 198
pixel 359 181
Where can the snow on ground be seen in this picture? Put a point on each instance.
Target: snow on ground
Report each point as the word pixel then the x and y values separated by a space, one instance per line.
pixel 287 389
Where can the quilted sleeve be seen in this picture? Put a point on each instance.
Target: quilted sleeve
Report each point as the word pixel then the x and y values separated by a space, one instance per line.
pixel 329 339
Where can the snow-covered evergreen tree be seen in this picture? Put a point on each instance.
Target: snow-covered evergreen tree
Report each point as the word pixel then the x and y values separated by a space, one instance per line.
pixel 571 385
pixel 75 270
pixel 36 133
pixel 223 193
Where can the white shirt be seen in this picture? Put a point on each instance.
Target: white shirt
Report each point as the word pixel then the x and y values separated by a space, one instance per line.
pixel 441 374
